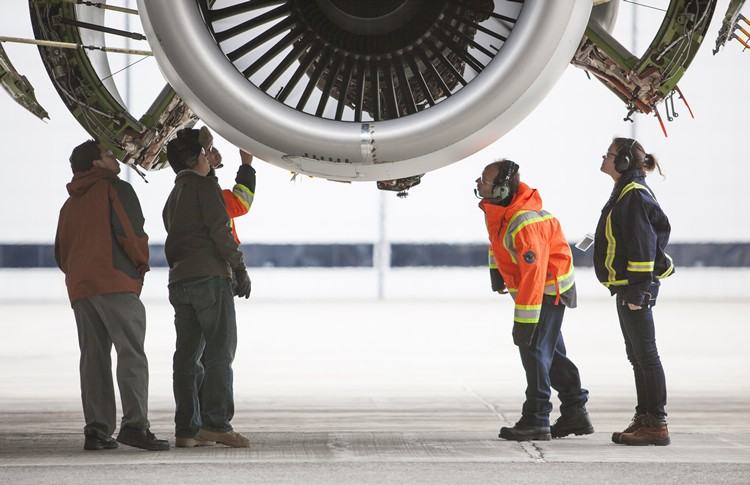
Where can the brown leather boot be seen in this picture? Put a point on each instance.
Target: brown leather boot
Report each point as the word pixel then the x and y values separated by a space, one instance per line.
pixel 634 425
pixel 653 431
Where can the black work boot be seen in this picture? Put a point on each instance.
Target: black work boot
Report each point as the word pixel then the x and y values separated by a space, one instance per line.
pixel 577 423
pixel 522 432
pixel 95 442
pixel 141 438
pixel 634 425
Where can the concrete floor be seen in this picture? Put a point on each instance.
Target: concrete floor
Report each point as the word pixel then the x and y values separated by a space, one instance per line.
pixel 425 438
pixel 350 392
pixel 386 439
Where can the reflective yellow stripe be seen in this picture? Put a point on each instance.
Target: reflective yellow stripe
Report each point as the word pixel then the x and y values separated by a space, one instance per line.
pixel 640 266
pixel 611 246
pixel 527 313
pixel 669 270
pixel 244 195
pixel 491 259
pixel 616 283
pixel 609 258
pixel 564 283
pixel 633 186
pixel 520 220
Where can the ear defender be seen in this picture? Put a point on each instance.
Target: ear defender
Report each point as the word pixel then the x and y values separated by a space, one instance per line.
pixel 624 157
pixel 502 187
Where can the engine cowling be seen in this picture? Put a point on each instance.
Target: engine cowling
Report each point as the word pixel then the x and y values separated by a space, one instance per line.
pixel 355 90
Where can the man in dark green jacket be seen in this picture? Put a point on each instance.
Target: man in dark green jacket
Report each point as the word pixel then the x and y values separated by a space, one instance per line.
pixel 203 257
pixel 101 247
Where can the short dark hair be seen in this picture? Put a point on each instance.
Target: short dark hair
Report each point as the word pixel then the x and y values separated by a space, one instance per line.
pixel 83 156
pixel 183 151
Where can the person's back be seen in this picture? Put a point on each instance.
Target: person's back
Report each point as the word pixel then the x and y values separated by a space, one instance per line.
pixel 101 247
pixel 94 257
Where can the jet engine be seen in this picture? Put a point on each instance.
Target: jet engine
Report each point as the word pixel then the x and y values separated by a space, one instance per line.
pixel 354 90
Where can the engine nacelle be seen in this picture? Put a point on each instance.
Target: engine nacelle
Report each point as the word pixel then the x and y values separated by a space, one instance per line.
pixel 360 91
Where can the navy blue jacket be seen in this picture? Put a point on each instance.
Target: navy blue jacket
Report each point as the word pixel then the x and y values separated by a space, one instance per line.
pixel 630 241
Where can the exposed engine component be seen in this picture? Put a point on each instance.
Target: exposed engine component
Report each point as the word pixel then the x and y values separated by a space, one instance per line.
pixel 400 186
pixel 82 77
pixel 643 83
pixel 732 24
pixel 19 88
pixel 366 91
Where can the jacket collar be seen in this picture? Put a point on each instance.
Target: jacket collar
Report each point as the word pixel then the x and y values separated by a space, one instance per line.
pixel 526 198
pixel 83 181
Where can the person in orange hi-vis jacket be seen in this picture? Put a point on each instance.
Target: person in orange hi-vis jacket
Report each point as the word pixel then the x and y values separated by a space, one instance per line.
pixel 530 258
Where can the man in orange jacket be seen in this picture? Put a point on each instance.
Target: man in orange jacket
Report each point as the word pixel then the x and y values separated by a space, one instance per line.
pixel 530 259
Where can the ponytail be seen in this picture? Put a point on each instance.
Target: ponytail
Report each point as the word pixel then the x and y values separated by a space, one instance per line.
pixel 650 163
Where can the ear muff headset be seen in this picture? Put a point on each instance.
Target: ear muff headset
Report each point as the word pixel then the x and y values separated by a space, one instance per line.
pixel 624 157
pixel 501 188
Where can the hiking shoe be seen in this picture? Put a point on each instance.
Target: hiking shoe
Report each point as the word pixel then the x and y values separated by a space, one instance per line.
pixel 97 442
pixel 634 425
pixel 141 438
pixel 653 431
pixel 577 423
pixel 521 432
pixel 228 438
pixel 181 442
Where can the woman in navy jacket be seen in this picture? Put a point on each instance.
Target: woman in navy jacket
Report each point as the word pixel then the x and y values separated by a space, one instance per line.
pixel 630 259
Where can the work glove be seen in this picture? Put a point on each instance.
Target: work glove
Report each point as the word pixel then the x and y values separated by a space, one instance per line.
pixel 523 333
pixel 240 282
pixel 497 282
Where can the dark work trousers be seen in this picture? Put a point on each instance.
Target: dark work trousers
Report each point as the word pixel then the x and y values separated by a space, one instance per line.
pixel 202 367
pixel 640 346
pixel 547 365
pixel 119 319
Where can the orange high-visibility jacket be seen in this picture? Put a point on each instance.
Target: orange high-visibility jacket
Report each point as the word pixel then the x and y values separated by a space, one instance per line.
pixel 528 248
pixel 238 202
pixel 240 198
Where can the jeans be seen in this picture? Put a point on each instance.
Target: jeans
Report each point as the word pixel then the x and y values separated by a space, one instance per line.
pixel 546 366
pixel 640 346
pixel 202 366
pixel 104 320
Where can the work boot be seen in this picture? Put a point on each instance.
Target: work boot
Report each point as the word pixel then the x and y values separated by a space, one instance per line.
pixel 182 442
pixel 634 425
pixel 228 438
pixel 577 423
pixel 522 432
pixel 141 438
pixel 94 442
pixel 653 431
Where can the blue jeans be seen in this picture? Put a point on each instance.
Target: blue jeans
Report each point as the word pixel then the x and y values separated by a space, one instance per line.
pixel 202 367
pixel 640 346
pixel 546 366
